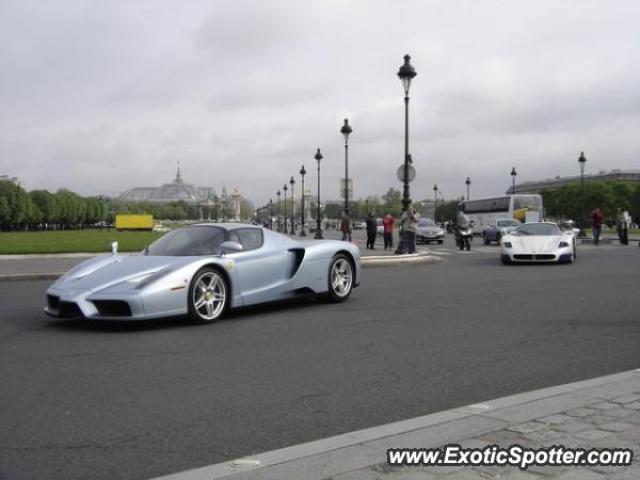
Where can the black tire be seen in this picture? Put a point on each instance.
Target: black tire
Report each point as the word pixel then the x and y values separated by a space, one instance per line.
pixel 498 238
pixel 340 279
pixel 467 243
pixel 505 261
pixel 440 242
pixel 209 296
pixel 485 239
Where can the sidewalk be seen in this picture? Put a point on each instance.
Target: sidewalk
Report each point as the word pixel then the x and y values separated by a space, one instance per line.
pixel 599 413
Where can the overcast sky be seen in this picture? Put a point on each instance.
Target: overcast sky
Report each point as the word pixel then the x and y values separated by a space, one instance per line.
pixel 101 96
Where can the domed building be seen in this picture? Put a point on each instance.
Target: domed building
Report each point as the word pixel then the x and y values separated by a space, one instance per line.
pixel 175 191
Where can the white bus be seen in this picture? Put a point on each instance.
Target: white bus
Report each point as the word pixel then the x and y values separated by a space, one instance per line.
pixel 485 211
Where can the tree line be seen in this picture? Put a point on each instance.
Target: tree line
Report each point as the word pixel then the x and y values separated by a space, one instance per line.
pixel 64 209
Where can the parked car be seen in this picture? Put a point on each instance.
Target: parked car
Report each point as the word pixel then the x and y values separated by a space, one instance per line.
pixel 543 242
pixel 495 231
pixel 202 271
pixel 427 231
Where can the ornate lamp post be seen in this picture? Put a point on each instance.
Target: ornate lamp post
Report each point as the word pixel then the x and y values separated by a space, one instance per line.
pixel 582 160
pixel 346 131
pixel 435 201
pixel 285 188
pixel 468 182
pixel 318 235
pixel 303 172
pixel 271 213
pixel 513 180
pixel 278 211
pixel 406 74
pixel 293 218
pixel 215 204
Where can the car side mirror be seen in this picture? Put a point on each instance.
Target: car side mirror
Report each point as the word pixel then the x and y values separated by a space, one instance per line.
pixel 230 246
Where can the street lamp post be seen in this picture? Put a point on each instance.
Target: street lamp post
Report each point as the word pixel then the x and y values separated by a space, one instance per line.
pixel 513 180
pixel 406 74
pixel 271 213
pixel 582 160
pixel 285 188
pixel 293 204
pixel 303 172
pixel 346 131
pixel 468 182
pixel 278 211
pixel 215 204
pixel 318 235
pixel 435 201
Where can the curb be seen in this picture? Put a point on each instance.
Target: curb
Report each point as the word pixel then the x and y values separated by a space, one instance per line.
pixel 388 260
pixel 370 261
pixel 448 426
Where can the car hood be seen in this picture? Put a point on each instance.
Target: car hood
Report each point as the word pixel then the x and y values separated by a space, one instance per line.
pixel 538 244
pixel 104 271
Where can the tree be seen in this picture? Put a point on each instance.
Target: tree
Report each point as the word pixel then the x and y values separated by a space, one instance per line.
pixel 392 202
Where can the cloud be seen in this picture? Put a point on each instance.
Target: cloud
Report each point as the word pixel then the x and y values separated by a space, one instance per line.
pixel 105 96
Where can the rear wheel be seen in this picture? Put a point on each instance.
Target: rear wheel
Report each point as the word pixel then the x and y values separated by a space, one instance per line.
pixel 485 239
pixel 340 279
pixel 208 296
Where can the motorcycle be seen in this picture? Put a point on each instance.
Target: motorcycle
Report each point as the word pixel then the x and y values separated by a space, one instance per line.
pixel 464 237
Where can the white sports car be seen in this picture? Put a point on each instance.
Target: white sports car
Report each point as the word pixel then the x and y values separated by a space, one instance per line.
pixel 538 242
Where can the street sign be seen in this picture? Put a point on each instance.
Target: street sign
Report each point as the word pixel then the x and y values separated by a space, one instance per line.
pixel 342 189
pixel 411 173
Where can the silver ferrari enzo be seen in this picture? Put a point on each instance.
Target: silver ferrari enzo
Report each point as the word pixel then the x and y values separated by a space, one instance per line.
pixel 202 271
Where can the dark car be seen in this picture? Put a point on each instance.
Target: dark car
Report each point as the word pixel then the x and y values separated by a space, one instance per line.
pixel 497 230
pixel 427 231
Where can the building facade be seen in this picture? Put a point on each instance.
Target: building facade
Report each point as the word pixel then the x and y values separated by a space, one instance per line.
pixel 622 176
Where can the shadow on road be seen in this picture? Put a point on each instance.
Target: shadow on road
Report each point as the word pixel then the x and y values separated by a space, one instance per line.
pixel 128 326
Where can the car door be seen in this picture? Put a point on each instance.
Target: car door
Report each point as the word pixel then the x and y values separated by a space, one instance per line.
pixel 261 266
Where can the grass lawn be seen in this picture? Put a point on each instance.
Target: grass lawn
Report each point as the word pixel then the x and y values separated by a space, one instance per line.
pixel 72 241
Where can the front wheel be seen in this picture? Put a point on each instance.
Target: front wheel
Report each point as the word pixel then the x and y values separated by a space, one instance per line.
pixel 208 296
pixel 340 279
pixel 467 243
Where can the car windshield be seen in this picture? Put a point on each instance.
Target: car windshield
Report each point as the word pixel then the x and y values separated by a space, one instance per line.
pixel 189 241
pixel 425 222
pixel 537 229
pixel 508 223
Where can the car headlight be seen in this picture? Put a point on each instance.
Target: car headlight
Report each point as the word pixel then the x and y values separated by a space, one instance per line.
pixel 563 244
pixel 507 244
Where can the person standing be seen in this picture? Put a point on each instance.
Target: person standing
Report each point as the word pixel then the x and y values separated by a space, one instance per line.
pixel 597 218
pixel 387 224
pixel 345 226
pixel 409 220
pixel 371 231
pixel 623 221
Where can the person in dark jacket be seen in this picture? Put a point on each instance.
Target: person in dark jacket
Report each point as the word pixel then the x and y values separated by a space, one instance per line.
pixel 372 230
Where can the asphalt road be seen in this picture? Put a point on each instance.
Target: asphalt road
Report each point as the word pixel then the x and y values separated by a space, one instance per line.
pixel 92 400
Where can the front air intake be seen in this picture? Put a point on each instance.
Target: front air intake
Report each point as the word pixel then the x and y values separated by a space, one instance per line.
pixel 112 308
